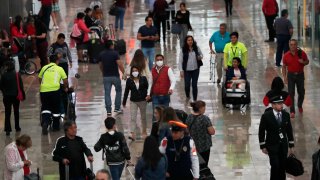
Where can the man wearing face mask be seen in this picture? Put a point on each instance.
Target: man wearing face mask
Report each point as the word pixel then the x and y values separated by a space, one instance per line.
pixel 163 82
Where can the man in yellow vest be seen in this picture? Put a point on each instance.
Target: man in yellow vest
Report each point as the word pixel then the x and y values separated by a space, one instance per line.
pixel 49 78
pixel 235 49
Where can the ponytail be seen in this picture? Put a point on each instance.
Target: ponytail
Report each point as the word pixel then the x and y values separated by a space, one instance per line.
pixel 197 105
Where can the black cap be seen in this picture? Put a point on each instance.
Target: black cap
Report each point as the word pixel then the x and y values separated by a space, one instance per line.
pixel 276 99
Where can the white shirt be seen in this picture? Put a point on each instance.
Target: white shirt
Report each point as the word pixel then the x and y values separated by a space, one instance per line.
pixel 171 77
pixel 276 114
pixel 237 73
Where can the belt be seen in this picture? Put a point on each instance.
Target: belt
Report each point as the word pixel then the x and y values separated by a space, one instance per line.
pixel 296 73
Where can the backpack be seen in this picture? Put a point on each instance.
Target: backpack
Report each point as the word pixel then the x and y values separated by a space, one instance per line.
pixel 113 152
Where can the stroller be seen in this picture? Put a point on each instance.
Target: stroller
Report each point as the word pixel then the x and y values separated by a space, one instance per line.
pixel 96 43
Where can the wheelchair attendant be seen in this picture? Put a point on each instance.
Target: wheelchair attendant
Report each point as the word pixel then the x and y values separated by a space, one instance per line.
pixel 236 75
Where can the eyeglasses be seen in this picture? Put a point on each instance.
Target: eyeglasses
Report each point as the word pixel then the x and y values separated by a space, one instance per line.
pixel 159 59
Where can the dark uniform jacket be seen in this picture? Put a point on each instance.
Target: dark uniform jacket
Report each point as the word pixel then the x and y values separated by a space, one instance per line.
pixel 269 132
pixel 71 149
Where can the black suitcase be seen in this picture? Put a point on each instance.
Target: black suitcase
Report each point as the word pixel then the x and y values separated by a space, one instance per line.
pixel 120 46
pixel 94 49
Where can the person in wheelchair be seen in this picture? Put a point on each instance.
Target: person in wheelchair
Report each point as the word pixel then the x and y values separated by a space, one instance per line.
pixel 236 75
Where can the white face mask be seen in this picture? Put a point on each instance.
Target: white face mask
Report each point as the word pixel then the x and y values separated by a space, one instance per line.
pixel 135 74
pixel 159 63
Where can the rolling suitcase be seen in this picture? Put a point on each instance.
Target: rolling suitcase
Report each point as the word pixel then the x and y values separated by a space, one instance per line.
pixel 119 44
pixel 89 173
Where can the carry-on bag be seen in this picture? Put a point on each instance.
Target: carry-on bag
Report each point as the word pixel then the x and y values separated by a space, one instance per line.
pixel 294 166
pixel 119 44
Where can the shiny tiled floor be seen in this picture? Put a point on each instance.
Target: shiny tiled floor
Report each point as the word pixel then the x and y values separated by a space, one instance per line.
pixel 235 153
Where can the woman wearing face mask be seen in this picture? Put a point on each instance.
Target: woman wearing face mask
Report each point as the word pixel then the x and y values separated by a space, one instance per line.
pixel 138 85
pixel 189 65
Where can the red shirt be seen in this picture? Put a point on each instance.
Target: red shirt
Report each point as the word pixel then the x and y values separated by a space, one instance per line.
pixel 31 30
pixel 292 61
pixel 46 2
pixel 269 7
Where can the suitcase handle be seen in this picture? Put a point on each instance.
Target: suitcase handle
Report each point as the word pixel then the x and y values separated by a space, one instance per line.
pixel 67 172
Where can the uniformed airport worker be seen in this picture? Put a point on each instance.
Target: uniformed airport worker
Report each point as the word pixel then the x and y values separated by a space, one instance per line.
pixel 275 136
pixel 49 78
pixel 183 162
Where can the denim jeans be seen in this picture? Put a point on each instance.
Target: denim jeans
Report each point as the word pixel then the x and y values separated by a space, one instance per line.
pixel 116 171
pixel 282 47
pixel 120 17
pixel 160 100
pixel 149 53
pixel 188 77
pixel 108 82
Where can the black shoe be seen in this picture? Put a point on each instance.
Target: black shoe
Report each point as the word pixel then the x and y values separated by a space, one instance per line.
pixel 18 130
pixel 218 81
pixel 7 133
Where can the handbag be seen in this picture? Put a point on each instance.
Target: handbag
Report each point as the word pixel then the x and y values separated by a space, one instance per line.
pixel 114 10
pixel 32 176
pixel 89 173
pixel 176 28
pixel 20 95
pixel 77 34
pixel 294 166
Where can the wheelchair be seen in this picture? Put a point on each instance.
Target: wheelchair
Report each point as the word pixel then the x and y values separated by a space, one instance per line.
pixel 235 96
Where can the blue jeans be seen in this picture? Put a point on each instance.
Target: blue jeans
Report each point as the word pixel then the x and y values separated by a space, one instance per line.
pixel 282 47
pixel 116 171
pixel 108 82
pixel 159 101
pixel 120 17
pixel 149 53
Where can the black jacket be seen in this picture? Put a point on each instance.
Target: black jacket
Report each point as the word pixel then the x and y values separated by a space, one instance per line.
pixel 72 150
pixel 136 94
pixel 8 84
pixel 113 156
pixel 269 132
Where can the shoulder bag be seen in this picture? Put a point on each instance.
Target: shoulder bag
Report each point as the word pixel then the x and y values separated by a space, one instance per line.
pixel 77 34
pixel 114 10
